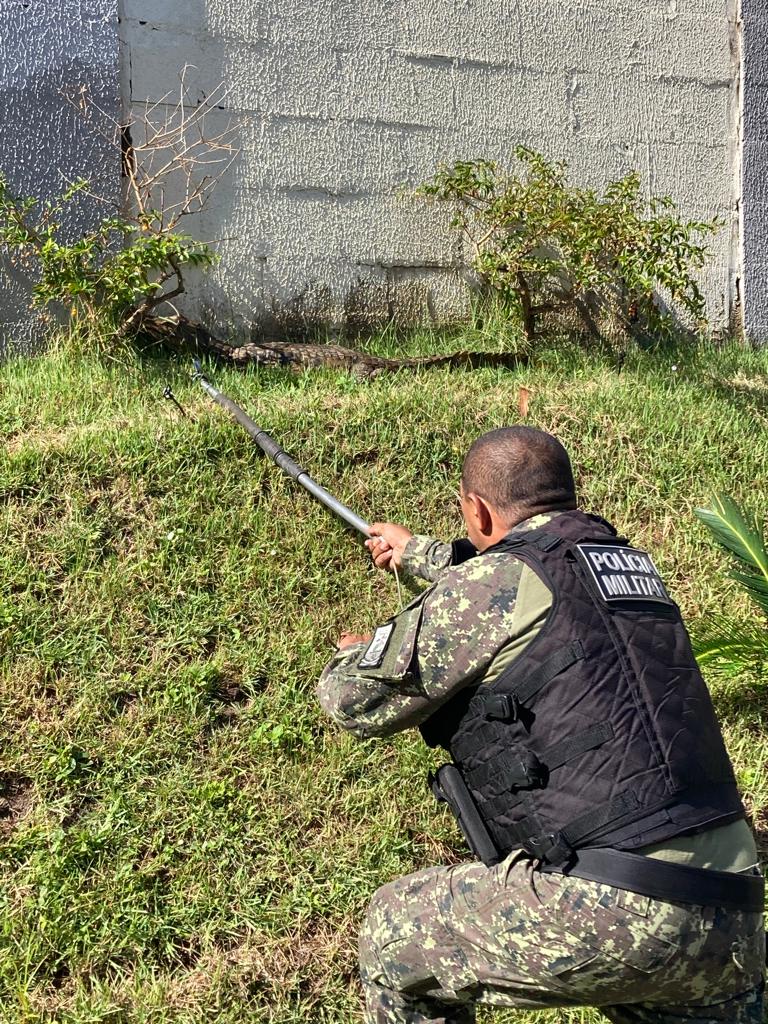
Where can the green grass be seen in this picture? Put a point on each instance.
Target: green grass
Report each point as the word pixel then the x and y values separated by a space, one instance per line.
pixel 185 837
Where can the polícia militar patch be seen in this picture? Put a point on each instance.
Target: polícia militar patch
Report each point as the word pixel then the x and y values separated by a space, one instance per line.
pixel 623 574
pixel 376 649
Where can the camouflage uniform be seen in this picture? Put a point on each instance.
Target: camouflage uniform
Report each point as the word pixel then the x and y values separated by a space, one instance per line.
pixel 437 942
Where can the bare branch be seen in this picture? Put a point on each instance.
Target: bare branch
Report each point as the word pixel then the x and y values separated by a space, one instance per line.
pixel 170 150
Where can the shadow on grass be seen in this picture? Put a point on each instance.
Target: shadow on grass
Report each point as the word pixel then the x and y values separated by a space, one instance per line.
pixel 739 396
pixel 167 352
pixel 741 706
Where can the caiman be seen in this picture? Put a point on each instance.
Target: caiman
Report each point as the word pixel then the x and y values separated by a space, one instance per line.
pixel 307 355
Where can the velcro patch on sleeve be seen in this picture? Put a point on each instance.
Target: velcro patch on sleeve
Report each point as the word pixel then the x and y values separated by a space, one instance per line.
pixel 377 648
pixel 623 574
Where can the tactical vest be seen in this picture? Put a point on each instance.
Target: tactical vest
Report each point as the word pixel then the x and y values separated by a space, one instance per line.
pixel 601 733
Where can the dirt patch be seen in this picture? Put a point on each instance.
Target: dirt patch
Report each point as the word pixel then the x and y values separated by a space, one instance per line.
pixel 123 700
pixel 16 800
pixel 227 700
pixel 229 692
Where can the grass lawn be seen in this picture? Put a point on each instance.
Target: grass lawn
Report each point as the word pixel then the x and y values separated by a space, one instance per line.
pixel 183 836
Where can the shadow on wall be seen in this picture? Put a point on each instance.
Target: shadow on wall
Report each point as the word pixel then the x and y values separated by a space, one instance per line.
pixel 49 53
pixel 258 293
pixel 379 295
pixel 254 296
pixel 47 144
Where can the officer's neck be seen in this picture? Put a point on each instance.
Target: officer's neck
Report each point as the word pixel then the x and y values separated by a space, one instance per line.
pixel 500 526
pixel 497 529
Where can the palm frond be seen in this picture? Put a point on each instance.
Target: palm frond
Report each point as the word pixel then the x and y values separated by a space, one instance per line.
pixel 755 586
pixel 733 531
pixel 736 646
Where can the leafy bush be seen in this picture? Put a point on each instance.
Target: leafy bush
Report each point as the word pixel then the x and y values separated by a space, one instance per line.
pixel 739 646
pixel 546 245
pixel 113 274
pixel 111 277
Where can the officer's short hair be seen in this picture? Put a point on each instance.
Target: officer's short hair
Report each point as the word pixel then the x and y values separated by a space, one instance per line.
pixel 519 468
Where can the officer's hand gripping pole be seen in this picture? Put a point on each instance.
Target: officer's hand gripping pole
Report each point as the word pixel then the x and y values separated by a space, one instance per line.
pixel 279 457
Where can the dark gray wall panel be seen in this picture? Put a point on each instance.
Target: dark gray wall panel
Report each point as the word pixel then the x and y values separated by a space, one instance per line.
pixel 754 174
pixel 49 49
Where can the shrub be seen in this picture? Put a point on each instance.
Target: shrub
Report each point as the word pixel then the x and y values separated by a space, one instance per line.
pixel 546 245
pixel 111 275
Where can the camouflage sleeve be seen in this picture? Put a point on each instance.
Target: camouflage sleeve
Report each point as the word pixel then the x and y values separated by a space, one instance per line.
pixel 468 617
pixel 428 559
pixel 373 689
pixel 442 642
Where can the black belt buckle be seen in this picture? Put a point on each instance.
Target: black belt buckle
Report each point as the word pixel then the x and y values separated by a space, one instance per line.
pixel 550 848
pixel 502 707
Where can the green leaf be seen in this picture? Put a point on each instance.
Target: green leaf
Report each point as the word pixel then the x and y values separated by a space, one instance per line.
pixel 735 646
pixel 537 236
pixel 731 529
pixel 755 586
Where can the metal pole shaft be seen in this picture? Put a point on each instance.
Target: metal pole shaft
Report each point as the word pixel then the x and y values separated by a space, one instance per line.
pixel 281 458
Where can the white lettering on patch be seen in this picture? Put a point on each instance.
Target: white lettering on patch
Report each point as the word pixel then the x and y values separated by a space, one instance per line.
pixel 623 574
pixel 374 654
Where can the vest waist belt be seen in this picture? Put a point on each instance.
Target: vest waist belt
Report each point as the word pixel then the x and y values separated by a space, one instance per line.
pixel 662 880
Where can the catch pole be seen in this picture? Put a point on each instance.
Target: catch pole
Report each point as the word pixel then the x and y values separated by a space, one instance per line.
pixel 280 457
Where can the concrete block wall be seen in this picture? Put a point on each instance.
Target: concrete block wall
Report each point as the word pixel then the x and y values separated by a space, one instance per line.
pixel 50 51
pixel 754 168
pixel 343 102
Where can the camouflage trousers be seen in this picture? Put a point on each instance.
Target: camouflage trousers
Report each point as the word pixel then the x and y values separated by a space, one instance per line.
pixel 440 941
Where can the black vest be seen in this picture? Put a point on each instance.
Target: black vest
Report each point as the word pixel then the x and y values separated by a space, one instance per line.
pixel 601 733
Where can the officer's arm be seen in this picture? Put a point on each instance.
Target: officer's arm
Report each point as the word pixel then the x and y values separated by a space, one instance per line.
pixel 441 643
pixel 373 689
pixel 394 546
pixel 428 558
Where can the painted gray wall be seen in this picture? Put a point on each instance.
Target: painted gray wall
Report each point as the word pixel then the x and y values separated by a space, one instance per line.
pixel 46 47
pixel 343 101
pixel 754 208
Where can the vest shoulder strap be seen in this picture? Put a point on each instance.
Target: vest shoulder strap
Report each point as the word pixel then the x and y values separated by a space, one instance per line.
pixel 502 699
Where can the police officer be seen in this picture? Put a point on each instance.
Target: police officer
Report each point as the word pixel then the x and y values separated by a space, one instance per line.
pixel 614 866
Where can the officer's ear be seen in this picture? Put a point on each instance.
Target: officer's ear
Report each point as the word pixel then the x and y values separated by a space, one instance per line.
pixel 479 514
